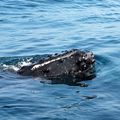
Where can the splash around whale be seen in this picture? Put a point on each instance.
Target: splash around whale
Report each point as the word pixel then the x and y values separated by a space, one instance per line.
pixel 69 67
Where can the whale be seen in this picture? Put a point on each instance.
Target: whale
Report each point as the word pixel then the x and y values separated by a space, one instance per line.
pixel 69 67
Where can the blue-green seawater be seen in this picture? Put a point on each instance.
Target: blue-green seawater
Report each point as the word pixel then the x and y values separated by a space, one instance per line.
pixel 31 28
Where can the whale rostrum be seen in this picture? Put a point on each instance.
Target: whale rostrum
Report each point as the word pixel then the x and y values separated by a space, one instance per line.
pixel 68 67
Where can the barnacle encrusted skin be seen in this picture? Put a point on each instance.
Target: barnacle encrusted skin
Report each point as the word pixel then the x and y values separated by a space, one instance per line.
pixel 74 65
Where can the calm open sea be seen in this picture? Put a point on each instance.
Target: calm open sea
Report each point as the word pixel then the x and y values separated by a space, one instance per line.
pixel 31 28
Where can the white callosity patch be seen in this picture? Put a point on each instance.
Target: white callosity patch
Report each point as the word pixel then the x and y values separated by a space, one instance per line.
pixel 56 59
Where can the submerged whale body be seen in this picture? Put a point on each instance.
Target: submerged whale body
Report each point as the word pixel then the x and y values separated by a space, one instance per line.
pixel 69 67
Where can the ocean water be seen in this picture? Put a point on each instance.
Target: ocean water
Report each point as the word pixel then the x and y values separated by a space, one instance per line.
pixel 30 29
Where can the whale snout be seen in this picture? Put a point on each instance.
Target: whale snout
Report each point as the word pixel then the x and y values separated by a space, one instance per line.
pixel 71 65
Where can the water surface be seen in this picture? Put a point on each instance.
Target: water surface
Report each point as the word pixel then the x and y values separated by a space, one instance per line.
pixel 31 28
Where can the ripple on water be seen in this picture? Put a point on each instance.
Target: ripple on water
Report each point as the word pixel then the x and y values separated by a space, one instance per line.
pixel 38 27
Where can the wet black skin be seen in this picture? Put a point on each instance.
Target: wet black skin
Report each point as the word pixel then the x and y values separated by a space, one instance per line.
pixel 69 67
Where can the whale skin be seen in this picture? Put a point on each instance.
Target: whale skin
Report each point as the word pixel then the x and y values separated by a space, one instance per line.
pixel 69 67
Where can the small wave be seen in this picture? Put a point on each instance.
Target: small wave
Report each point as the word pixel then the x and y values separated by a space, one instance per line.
pixel 11 68
pixel 14 67
pixel 13 64
pixel 102 62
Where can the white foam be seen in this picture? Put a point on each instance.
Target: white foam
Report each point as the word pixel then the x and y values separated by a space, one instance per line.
pixel 15 68
pixel 25 63
pixel 10 68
